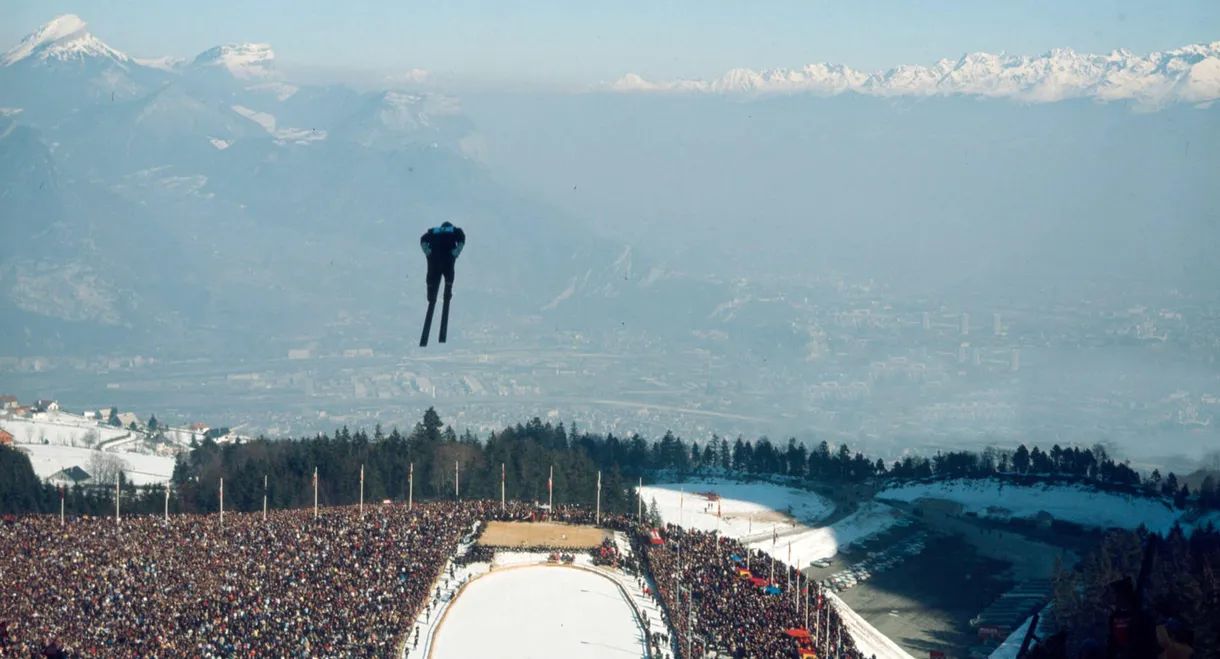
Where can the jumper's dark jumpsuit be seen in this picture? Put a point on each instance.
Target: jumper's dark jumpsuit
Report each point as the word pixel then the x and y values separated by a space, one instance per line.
pixel 441 245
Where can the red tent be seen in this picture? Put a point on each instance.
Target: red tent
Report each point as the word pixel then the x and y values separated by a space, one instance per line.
pixel 655 537
pixel 797 633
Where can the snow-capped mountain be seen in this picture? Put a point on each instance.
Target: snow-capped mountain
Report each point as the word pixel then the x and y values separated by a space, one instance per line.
pixel 1190 75
pixel 246 61
pixel 64 39
pixel 62 66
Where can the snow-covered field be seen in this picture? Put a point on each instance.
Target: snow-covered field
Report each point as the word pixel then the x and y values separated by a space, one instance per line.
pixel 61 429
pixel 141 469
pixel 747 510
pixel 539 612
pixel 872 518
pixel 1071 503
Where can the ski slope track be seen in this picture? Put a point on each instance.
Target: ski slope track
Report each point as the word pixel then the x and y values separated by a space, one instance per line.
pixel 1075 503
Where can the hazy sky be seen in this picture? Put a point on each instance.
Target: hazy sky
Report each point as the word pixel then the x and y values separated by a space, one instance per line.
pixel 577 41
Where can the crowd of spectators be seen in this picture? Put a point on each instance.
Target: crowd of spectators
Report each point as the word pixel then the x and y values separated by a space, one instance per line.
pixel 291 586
pixel 341 585
pixel 732 613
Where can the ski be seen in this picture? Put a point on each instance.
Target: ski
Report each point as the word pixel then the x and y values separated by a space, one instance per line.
pixel 423 338
pixel 444 331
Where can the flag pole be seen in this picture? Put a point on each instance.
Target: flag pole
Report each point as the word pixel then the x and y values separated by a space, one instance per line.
pixel 222 503
pixel 501 487
pixel 411 487
pixel 362 490
pixel 457 479
pixel 599 498
pixel 118 494
pixel 264 497
pixel 639 501
pixel 550 499
pixel 61 505
pixel 167 501
pixel 315 492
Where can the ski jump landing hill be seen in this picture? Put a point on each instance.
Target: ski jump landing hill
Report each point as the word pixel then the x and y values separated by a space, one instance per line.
pixel 525 605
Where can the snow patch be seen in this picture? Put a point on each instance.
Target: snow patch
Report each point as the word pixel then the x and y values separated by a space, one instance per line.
pixel 263 119
pixel 221 144
pixel 167 63
pixel 10 112
pixel 282 135
pixel 247 61
pixel 1072 503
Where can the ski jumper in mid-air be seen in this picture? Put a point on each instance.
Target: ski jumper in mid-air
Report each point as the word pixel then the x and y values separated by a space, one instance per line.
pixel 441 245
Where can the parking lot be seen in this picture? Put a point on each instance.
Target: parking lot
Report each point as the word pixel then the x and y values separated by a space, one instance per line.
pixel 918 586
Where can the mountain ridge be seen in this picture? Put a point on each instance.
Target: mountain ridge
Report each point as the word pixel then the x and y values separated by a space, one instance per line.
pixel 1190 74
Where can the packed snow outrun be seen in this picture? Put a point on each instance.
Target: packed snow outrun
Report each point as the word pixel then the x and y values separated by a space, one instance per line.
pixel 534 612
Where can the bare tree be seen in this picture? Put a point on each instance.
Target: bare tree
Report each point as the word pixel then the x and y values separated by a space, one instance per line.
pixel 106 467
pixel 90 438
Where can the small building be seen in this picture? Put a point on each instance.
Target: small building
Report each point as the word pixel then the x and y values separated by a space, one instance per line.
pixel 128 418
pixel 71 476
pixel 6 438
pixel 46 406
pixel 8 402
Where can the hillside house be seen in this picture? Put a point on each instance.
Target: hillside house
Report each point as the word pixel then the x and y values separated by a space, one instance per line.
pixel 6 438
pixel 128 418
pixel 8 402
pixel 46 406
pixel 68 477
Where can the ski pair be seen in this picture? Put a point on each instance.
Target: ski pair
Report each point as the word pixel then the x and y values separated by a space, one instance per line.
pixel 444 329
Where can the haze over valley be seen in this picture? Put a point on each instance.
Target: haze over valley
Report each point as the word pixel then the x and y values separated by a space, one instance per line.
pixel 988 250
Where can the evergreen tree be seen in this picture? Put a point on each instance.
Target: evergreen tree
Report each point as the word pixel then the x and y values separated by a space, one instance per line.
pixel 654 514
pixel 1021 460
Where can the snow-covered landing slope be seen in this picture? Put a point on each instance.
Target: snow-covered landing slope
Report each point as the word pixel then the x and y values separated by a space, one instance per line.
pixel 746 510
pixel 872 518
pixel 1071 503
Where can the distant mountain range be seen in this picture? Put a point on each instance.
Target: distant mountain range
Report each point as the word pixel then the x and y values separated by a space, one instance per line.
pixel 1186 75
pixel 210 204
